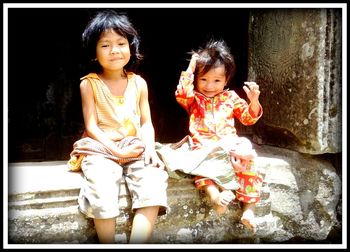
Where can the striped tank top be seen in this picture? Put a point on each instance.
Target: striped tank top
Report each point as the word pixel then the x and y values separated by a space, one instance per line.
pixel 119 115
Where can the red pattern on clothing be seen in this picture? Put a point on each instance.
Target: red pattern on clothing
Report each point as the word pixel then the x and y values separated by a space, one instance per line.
pixel 199 182
pixel 212 118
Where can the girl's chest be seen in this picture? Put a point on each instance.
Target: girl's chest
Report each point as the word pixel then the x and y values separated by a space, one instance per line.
pixel 116 88
pixel 215 108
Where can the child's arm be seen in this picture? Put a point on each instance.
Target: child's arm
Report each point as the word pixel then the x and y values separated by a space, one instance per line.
pixel 244 112
pixel 92 129
pixel 184 92
pixel 147 129
pixel 253 92
pixel 192 66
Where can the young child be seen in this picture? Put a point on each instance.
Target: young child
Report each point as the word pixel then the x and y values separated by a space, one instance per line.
pixel 212 110
pixel 119 135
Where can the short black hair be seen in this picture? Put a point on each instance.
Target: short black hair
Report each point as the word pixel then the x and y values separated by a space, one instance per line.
pixel 120 23
pixel 213 54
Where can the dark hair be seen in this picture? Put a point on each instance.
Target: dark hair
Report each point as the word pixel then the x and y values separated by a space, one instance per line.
pixel 214 54
pixel 120 23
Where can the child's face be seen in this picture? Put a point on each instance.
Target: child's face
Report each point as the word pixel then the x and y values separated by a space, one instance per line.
pixel 112 50
pixel 213 82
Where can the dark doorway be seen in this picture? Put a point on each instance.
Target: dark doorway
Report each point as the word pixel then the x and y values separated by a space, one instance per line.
pixel 44 107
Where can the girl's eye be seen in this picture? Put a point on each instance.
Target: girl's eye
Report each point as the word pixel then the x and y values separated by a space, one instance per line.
pixel 104 45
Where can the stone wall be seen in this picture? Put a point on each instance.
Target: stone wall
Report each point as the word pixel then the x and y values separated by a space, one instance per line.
pixel 301 203
pixel 295 56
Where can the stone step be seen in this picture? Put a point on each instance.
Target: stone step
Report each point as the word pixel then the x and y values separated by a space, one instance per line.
pixel 60 200
pixel 46 210
pixel 50 225
pixel 68 225
pixel 43 208
pixel 40 203
pixel 24 196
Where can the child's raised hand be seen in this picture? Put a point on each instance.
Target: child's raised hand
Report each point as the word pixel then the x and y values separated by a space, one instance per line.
pixel 192 66
pixel 252 90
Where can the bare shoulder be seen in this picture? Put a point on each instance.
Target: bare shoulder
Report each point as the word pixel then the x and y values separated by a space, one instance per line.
pixel 85 88
pixel 141 83
pixel 140 80
pixel 84 84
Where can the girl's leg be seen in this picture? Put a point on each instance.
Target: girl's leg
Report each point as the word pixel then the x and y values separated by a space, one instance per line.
pixel 148 189
pixel 105 229
pixel 220 200
pixel 248 216
pixel 143 224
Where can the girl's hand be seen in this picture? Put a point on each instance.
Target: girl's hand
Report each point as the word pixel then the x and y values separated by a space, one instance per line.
pixel 133 150
pixel 152 158
pixel 252 91
pixel 241 159
pixel 192 66
pixel 239 165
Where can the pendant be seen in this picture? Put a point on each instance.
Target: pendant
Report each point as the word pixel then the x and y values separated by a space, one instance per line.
pixel 120 100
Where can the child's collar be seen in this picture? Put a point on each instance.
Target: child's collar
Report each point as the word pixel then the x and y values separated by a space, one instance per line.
pixel 206 97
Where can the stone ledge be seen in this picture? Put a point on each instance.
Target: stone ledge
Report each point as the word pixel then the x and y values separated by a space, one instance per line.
pixel 43 200
pixel 301 203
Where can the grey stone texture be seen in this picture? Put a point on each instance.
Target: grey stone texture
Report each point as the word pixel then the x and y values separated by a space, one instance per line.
pixel 295 57
pixel 300 198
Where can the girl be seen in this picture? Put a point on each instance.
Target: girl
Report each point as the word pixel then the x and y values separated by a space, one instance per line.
pixel 119 134
pixel 213 139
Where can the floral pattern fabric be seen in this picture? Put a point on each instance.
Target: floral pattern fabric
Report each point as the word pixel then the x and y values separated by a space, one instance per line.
pixel 212 119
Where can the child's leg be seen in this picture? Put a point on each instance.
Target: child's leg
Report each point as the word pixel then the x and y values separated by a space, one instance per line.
pixel 143 224
pixel 248 216
pixel 220 200
pixel 105 229
pixel 147 186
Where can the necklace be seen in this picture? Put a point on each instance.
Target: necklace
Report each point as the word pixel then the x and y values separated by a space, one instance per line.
pixel 119 100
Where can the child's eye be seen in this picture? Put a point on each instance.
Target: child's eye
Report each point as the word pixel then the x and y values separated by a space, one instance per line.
pixel 105 45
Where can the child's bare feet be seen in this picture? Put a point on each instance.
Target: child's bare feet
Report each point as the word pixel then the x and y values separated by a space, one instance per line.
pixel 248 219
pixel 222 200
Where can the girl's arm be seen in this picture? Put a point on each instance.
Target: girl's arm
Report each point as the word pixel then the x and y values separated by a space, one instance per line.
pixel 184 92
pixel 243 111
pixel 147 129
pixel 253 92
pixel 92 129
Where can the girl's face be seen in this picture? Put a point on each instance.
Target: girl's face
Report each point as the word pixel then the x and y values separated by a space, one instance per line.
pixel 213 82
pixel 112 50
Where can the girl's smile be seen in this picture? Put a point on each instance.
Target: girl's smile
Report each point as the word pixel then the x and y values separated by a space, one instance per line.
pixel 213 82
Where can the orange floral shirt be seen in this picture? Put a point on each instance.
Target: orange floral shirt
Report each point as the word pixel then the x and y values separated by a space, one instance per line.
pixel 212 118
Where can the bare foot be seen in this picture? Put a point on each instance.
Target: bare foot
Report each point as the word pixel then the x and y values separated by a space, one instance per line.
pixel 247 220
pixel 220 202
